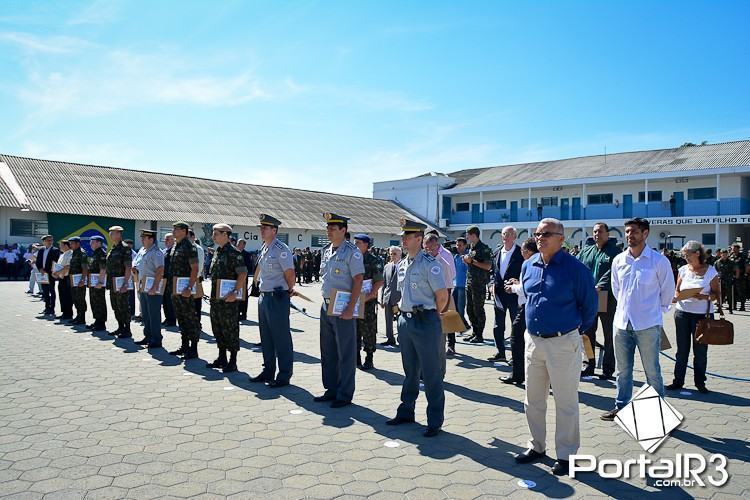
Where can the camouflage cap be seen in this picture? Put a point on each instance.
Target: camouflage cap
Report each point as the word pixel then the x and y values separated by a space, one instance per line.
pixel 224 228
pixel 181 225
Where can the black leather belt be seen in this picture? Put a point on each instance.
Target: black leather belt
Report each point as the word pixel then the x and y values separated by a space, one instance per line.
pixel 414 315
pixel 553 334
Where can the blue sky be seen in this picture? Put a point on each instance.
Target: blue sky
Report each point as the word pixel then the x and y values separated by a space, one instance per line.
pixel 335 95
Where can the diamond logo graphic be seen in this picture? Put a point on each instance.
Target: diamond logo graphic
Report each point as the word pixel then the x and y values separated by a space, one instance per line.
pixel 648 418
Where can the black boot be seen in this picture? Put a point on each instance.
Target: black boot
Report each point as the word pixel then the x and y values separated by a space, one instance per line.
pixel 125 333
pixel 368 362
pixel 232 365
pixel 182 350
pixel 192 351
pixel 221 361
pixel 119 330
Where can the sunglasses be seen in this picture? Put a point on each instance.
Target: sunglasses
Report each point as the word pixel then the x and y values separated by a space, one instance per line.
pixel 546 234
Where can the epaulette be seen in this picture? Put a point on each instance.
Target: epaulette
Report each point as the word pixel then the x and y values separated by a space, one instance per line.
pixel 278 245
pixel 428 257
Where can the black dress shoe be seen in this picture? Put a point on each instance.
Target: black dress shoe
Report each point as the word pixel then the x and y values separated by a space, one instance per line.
pixel 217 363
pixel 703 390
pixel 260 378
pixel 278 383
pixel 178 352
pixel 339 403
pixel 450 352
pixel 431 432
pixel 673 387
pixel 125 335
pixel 605 376
pixel 324 398
pixel 143 341
pixel 476 340
pixel 610 415
pixel 154 346
pixel 398 420
pixel 560 468
pixel 230 368
pixel 509 380
pixel 528 456
pixel 387 343
pixel 497 357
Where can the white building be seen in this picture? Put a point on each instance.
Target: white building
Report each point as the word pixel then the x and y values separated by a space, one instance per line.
pixel 696 192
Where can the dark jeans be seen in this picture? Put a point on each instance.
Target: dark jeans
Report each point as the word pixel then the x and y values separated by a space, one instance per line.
pixel 510 304
pixel 518 344
pixel 49 295
pixel 459 298
pixel 66 297
pixel 607 318
pixel 685 324
pixel 169 315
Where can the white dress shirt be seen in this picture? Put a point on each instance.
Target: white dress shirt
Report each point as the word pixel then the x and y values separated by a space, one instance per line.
pixel 505 259
pixel 518 290
pixel 644 288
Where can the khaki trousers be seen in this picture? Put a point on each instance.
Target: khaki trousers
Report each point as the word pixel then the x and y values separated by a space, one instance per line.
pixel 556 361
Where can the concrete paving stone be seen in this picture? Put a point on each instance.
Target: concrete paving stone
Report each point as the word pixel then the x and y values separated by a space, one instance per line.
pixel 324 491
pixel 186 489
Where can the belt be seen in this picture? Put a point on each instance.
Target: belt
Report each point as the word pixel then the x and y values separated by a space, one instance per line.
pixel 410 314
pixel 553 334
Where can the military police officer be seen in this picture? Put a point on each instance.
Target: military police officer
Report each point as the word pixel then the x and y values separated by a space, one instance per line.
pixel 341 269
pixel 227 264
pixel 740 263
pixel 79 264
pixel 119 261
pixel 183 263
pixel 98 267
pixel 726 268
pixel 479 262
pixel 274 275
pixel 367 327
pixel 423 294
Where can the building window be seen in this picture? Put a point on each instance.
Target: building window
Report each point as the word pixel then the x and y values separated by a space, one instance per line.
pixel 702 193
pixel 318 241
pixel 652 196
pixel 549 201
pixel 497 205
pixel 395 243
pixel 283 237
pixel 600 199
pixel 709 239
pixel 525 202
pixel 28 228
pixel 462 207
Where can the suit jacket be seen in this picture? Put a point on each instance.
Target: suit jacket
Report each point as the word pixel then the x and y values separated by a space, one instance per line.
pixel 390 294
pixel 52 256
pixel 513 271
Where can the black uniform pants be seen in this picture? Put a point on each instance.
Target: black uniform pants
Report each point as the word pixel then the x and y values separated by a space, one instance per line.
pixel 66 297
pixel 49 295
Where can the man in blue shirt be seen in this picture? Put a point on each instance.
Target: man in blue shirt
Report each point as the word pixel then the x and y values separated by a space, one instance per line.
pixel 561 303
pixel 459 288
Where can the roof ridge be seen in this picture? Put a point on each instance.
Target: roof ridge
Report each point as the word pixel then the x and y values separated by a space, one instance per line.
pixel 169 174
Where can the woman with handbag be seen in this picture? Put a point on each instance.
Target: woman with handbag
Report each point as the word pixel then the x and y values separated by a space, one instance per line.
pixel 697 274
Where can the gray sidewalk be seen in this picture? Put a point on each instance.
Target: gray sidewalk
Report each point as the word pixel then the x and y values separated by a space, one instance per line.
pixel 83 416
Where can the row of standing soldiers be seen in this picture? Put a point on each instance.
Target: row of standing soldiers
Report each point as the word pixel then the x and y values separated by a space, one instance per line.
pixel 732 266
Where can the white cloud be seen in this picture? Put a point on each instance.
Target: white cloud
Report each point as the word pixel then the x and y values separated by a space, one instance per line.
pixel 46 45
pixel 97 12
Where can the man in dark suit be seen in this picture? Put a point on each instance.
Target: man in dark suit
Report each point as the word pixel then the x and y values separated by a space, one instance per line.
pixel 390 295
pixel 45 259
pixel 507 263
pixel 169 316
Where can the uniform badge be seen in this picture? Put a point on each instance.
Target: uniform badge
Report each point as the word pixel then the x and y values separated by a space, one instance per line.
pixel 337 271
pixel 414 286
pixel 435 270
pixel 357 255
pixel 283 255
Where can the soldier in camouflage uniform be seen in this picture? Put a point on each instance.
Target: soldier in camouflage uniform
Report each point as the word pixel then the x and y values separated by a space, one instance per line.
pixel 98 266
pixel 367 327
pixel 740 276
pixel 479 261
pixel 79 264
pixel 726 269
pixel 183 262
pixel 119 261
pixel 227 264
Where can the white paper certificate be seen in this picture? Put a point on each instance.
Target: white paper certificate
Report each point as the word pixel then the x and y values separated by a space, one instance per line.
pixel 149 284
pixel 120 280
pixel 227 286
pixel 42 278
pixel 77 279
pixel 94 280
pixel 341 301
pixel 182 284
pixel 366 287
pixel 57 267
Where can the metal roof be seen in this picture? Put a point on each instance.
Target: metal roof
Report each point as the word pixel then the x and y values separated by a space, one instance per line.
pixel 706 157
pixel 61 187
pixel 7 199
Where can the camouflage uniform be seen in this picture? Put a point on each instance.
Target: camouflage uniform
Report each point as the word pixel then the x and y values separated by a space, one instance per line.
pixel 227 264
pixel 476 288
pixel 96 295
pixel 739 262
pixel 79 264
pixel 182 256
pixel 367 328
pixel 118 258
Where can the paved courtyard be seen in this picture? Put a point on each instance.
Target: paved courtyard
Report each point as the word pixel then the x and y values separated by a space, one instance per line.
pixel 83 416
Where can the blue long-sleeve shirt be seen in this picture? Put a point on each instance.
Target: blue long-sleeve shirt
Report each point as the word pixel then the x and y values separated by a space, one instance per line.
pixel 560 296
pixel 461 270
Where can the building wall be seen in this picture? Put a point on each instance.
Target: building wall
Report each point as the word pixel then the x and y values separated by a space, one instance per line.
pixel 8 213
pixel 419 195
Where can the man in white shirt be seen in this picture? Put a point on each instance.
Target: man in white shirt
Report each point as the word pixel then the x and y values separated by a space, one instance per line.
pixel 643 283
